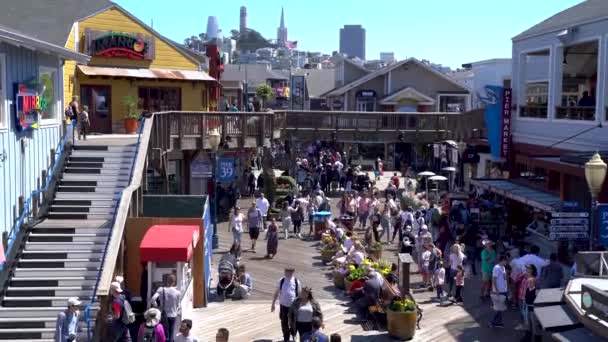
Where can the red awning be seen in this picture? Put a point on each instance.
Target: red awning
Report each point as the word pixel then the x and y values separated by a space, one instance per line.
pixel 169 243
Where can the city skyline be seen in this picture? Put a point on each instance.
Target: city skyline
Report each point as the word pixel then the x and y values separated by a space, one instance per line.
pixel 477 31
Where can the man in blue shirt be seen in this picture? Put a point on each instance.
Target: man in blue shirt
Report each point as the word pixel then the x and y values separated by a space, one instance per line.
pixel 316 335
pixel 67 322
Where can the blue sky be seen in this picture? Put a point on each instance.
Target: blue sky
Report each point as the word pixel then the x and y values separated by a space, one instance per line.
pixel 450 32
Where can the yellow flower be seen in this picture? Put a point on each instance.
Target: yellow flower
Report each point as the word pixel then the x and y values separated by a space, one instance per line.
pixel 351 267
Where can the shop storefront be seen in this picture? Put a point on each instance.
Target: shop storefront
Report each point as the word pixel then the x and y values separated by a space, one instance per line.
pixel 132 65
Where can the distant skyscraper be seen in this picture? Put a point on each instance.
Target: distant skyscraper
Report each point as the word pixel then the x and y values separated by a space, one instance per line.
pixel 352 41
pixel 387 57
pixel 282 31
pixel 243 22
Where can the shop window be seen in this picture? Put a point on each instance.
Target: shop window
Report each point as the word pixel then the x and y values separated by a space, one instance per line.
pixel 535 67
pixel 3 106
pixel 159 99
pixel 371 151
pixel 205 99
pixel 579 82
pixel 48 79
pixel 366 104
pixel 452 103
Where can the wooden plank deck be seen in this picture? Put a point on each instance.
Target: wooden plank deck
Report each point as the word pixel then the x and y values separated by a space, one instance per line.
pixel 251 319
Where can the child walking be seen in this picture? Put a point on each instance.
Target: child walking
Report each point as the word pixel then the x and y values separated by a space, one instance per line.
pixel 459 280
pixel 439 280
pixel 83 123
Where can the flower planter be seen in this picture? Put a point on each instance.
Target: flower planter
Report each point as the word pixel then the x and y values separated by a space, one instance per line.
pixel 375 255
pixel 347 284
pixel 130 125
pixel 401 325
pixel 327 255
pixel 339 280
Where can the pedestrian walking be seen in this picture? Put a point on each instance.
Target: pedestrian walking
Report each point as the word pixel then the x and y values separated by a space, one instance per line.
pixel 83 123
pixel 254 220
pixel 236 225
pixel 184 332
pixel 263 205
pixel 488 258
pixel 151 330
pixel 302 312
pixel 168 298
pixel 385 222
pixel 286 220
pixel 297 216
pixel 459 280
pixel 251 181
pixel 66 329
pixel 122 315
pixel 272 237
pixel 499 292
pixel 363 209
pixel 439 280
pixel 456 260
pixel 551 276
pixel 316 335
pixel 527 293
pixel 288 289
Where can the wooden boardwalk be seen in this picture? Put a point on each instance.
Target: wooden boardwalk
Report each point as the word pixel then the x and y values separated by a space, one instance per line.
pixel 251 319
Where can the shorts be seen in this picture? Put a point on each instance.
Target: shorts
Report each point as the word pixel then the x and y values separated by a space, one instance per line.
pixel 486 276
pixel 254 233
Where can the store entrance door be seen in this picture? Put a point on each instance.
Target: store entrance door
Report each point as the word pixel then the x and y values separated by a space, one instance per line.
pixel 98 99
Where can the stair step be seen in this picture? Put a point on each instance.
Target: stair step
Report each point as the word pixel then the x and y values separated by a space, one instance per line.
pixel 34 312
pixel 95 189
pixel 53 281
pixel 73 291
pixel 60 230
pixel 78 216
pixel 110 166
pixel 105 160
pixel 111 148
pixel 27 334
pixel 83 209
pixel 55 272
pixel 67 255
pixel 94 183
pixel 109 203
pixel 104 154
pixel 58 263
pixel 86 195
pixel 92 171
pixel 72 224
pixel 35 237
pixel 95 177
pixel 61 246
pixel 42 301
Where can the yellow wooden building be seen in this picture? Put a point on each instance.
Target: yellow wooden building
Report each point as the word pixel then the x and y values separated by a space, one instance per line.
pixel 131 63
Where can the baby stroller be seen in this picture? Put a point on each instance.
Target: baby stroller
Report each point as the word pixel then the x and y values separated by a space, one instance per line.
pixel 226 275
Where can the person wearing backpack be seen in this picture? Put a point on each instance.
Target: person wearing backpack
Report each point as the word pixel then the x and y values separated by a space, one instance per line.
pixel 122 315
pixel 287 291
pixel 169 298
pixel 151 330
pixel 67 322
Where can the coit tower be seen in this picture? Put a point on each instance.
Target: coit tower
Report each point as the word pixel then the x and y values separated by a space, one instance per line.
pixel 243 22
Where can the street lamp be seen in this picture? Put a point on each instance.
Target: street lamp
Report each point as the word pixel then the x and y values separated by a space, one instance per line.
pixel 595 173
pixel 214 141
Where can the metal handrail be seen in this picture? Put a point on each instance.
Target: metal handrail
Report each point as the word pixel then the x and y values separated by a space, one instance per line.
pixel 87 310
pixel 26 207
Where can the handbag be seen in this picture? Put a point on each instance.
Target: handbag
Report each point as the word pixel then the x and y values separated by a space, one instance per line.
pixel 164 320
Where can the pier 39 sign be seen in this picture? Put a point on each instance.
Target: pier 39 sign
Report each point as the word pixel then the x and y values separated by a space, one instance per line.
pixel 119 44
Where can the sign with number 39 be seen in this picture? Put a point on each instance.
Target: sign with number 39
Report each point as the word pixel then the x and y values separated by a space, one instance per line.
pixel 225 170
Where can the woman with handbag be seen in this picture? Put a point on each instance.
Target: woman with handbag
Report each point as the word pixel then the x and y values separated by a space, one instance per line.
pixel 169 301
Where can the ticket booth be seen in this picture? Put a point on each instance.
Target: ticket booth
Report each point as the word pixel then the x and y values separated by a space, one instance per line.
pixel 173 249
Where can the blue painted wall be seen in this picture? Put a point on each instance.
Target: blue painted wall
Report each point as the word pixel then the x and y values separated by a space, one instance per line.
pixel 23 157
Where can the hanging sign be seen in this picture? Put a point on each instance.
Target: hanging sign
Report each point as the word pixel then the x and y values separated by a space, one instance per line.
pixel 505 139
pixel 602 215
pixel 119 44
pixel 30 105
pixel 226 171
pixel 569 226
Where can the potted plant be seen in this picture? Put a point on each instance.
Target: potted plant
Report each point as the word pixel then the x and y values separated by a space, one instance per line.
pixel 329 250
pixel 375 250
pixel 131 115
pixel 401 318
pixel 354 273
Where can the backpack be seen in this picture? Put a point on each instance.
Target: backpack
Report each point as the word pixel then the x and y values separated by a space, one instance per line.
pixel 149 334
pixel 297 285
pixel 128 316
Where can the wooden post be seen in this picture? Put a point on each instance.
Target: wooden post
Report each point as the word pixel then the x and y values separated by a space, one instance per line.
pixel 180 131
pixel 224 132
pixel 263 130
pixel 21 205
pixel 243 122
pixel 405 259
pixel 203 131
pixel 52 158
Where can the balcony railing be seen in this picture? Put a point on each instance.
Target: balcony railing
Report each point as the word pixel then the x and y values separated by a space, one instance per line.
pixel 575 113
pixel 533 111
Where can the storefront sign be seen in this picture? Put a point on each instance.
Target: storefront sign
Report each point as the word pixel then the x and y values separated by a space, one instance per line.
pixel 366 93
pixel 119 44
pixel 602 214
pixel 505 141
pixel 594 301
pixel 201 168
pixel 30 104
pixel 569 226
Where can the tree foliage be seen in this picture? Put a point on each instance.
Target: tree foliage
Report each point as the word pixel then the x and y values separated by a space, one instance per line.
pixel 251 41
pixel 196 43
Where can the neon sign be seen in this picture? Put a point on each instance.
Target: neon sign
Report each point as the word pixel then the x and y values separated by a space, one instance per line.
pixel 117 44
pixel 30 105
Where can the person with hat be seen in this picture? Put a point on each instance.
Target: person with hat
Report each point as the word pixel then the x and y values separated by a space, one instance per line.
pixel 488 258
pixel 67 322
pixel 151 330
pixel 119 331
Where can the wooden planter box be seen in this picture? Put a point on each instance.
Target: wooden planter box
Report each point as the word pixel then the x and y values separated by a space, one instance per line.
pixel 401 325
pixel 347 284
pixel 339 280
pixel 327 255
